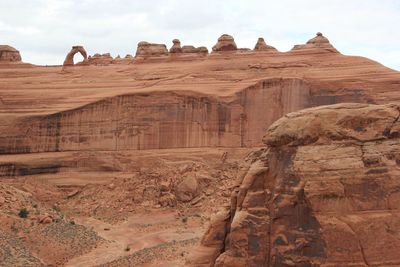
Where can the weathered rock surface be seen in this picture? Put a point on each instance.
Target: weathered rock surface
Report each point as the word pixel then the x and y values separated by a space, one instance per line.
pixel 318 42
pixel 178 104
pixel 262 46
pixel 191 49
pixel 322 193
pixel 176 47
pixel 9 54
pixel 69 59
pixel 145 49
pixel 100 59
pixel 225 43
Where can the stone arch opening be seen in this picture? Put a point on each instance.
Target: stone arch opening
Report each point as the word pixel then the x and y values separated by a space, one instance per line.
pixel 69 59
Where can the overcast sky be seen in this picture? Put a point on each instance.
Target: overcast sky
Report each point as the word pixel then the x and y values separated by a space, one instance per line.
pixel 45 30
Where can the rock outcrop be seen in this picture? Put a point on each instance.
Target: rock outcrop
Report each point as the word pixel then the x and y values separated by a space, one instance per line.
pixel 176 47
pixel 318 42
pixel 323 192
pixel 9 54
pixel 69 59
pixel 262 46
pixel 225 43
pixel 145 49
pixel 100 59
pixel 197 50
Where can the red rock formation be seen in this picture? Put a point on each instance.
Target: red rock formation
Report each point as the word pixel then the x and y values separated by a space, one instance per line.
pixel 322 192
pixel 146 49
pixel 262 46
pixel 198 50
pixel 225 43
pixel 69 59
pixel 9 54
pixel 97 59
pixel 176 47
pixel 318 42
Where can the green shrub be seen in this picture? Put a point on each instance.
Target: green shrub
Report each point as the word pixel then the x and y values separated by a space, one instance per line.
pixel 23 213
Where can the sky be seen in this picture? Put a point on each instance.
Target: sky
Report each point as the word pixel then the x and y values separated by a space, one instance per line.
pixel 44 30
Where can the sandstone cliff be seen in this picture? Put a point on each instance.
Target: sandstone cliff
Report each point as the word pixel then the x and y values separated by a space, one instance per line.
pixel 192 102
pixel 323 192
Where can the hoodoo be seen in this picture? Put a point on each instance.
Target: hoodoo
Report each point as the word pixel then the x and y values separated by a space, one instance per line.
pixel 9 54
pixel 318 42
pixel 146 49
pixel 225 43
pixel 176 47
pixel 262 46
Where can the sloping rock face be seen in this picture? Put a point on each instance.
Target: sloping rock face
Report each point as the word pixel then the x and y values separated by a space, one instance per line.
pixel 9 54
pixel 165 120
pixel 146 49
pixel 225 43
pixel 262 46
pixel 324 192
pixel 318 42
pixel 159 120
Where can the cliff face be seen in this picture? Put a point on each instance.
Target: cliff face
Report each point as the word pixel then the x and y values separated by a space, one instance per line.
pixel 322 192
pixel 217 100
pixel 160 120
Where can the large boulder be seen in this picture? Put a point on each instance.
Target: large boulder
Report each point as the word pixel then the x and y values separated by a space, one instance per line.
pixel 9 54
pixel 146 49
pixel 187 189
pixel 225 43
pixel 323 192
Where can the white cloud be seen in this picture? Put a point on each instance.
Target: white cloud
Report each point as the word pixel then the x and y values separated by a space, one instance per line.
pixel 44 30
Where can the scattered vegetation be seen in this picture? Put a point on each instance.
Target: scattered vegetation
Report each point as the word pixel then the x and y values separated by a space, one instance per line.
pixel 56 208
pixel 23 213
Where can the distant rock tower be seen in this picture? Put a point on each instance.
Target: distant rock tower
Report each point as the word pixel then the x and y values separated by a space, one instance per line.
pixel 262 46
pixel 225 43
pixel 176 47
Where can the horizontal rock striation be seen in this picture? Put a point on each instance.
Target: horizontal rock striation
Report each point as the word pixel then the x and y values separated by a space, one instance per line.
pixel 158 120
pixel 323 192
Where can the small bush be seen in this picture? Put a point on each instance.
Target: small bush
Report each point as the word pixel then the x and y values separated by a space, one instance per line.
pixel 72 222
pixel 184 219
pixel 56 208
pixel 23 213
pixel 127 248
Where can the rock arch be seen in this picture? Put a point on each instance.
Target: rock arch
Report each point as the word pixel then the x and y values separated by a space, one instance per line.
pixel 69 59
